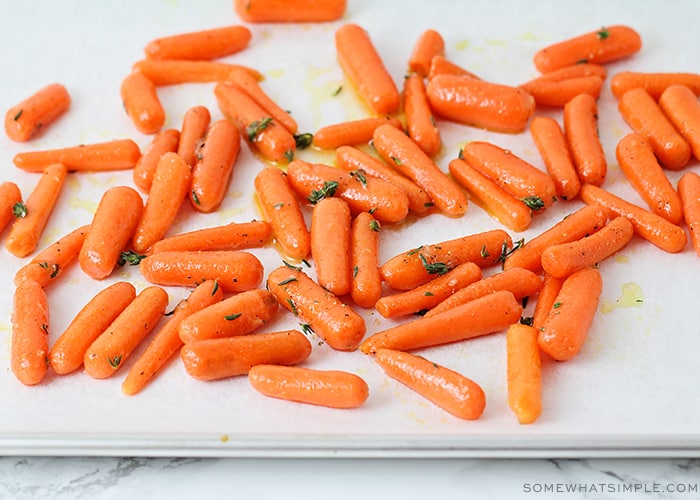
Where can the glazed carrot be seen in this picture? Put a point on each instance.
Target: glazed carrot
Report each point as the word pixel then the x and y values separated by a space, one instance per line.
pixel 478 103
pixel 118 154
pixel 565 329
pixel 331 224
pixel 49 263
pixel 24 120
pixel 689 191
pixel 573 226
pixel 574 71
pixel 518 281
pixel 239 314
pixel 350 133
pixel 332 320
pixel 166 342
pixel 10 202
pixel 112 227
pixel 262 132
pixel 653 228
pixel 29 345
pixel 566 258
pixel 212 172
pixel 111 349
pixel 653 82
pixel 581 129
pixel 604 45
pixel 551 286
pixel 215 359
pixel 281 208
pixel 680 104
pixel 417 266
pixel 439 65
pixel 420 123
pixel 366 284
pixel 488 314
pixel 329 388
pixel 27 229
pixel 171 183
pixel 496 201
pixel 164 72
pixel 194 127
pixel 365 69
pixel 142 103
pixel 402 153
pixel 429 44
pixel 235 270
pixel 524 373
pixel 552 145
pixel 289 11
pixel 68 352
pixel 643 114
pixel 198 45
pixel 635 156
pixel 231 236
pixel 557 93
pixel 163 142
pixel 426 296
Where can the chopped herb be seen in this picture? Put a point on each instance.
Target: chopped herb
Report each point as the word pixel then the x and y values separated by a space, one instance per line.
pixel 556 305
pixel 55 268
pixel 328 189
pixel 415 250
pixel 216 287
pixel 288 280
pixel 19 210
pixel 45 327
pixel 603 33
pixel 360 176
pixel 115 361
pixel 375 226
pixel 421 312
pixel 460 155
pixel 337 91
pixel 435 365
pixel 484 252
pixel 354 271
pixel 428 204
pixel 428 294
pixel 372 210
pixel 533 202
pixel 130 257
pixel 289 155
pixel 432 120
pixel 306 262
pixel 293 307
pixel 256 127
pixel 397 160
pixel 231 317
pixel 582 61
pixel 506 252
pixel 291 266
pixel 306 328
pixel 303 141
pixel 195 198
pixel 527 320
pixel 434 267
pixel 278 206
pixel 19 113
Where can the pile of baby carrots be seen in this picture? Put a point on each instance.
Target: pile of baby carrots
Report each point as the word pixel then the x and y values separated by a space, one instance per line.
pixel 385 174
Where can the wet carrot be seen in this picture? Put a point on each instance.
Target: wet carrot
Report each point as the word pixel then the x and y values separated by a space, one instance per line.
pixel 365 69
pixel 215 359
pixel 29 345
pixel 366 282
pixel 680 104
pixel 112 228
pixel 27 229
pixel 235 270
pixel 331 224
pixel 551 286
pixel 329 388
pixel 581 129
pixel 289 11
pixel 200 45
pixel 194 127
pixel 524 373
pixel 35 113
pixel 10 202
pixel 653 82
pixel 163 142
pixel 420 123
pixel 113 347
pixel 556 93
pixel 552 145
pixel 164 72
pixel 231 236
pixel 429 45
pixel 689 191
pixel 350 133
pixel 118 154
pixel 332 320
pixel 142 103
pixel 577 70
pixel 68 352
pixel 440 65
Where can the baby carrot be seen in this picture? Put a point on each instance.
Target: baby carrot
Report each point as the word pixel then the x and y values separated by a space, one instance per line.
pixel 27 229
pixel 166 341
pixel 24 120
pixel 198 45
pixel 578 70
pixel 235 270
pixel 439 65
pixel 401 152
pixel 194 127
pixel 331 224
pixel 350 133
pixel 332 320
pixel 142 103
pixel 289 11
pixel 212 172
pixel 112 227
pixel 365 69
pixel 118 154
pixel 488 314
pixel 556 93
pixel 111 349
pixel 231 236
pixel 551 143
pixel 643 114
pixel 10 202
pixel 581 129
pixel 163 142
pixel 565 329
pixel 524 372
pixel 551 286
pixel 177 71
pixel 653 82
pixel 680 104
pixel 366 283
pixel 429 44
pixel 604 45
pixel 68 352
pixel 446 388
pixel 29 345
pixel 420 123
pixel 239 314
pixel 215 359
pixel 653 228
pixel 689 191
pixel 329 388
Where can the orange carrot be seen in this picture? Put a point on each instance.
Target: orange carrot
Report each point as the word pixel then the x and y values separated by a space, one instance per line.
pixel 401 152
pixel 113 225
pixel 429 44
pixel 166 342
pixel 235 270
pixel 194 127
pixel 111 349
pixel 478 103
pixel 680 104
pixel 551 286
pixel 439 65
pixel 329 388
pixel 551 143
pixel 566 327
pixel 331 224
pixel 163 142
pixel 581 129
pixel 365 69
pixel 142 103
pixel 577 70
pixel 29 346
pixel 350 133
pixel 653 82
pixel 68 352
pixel 231 236
pixel 164 72
pixel 488 314
pixel 215 359
pixel 10 202
pixel 557 93
pixel 321 311
pixel 289 11
pixel 24 120
pixel 524 373
pixel 419 118
pixel 689 191
pixel 198 45
pixel 27 229
pixel 119 154
pixel 446 388
pixel 643 114
pixel 604 45
pixel 366 284
pixel 213 170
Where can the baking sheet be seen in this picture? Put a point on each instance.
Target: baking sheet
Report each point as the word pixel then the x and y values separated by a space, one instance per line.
pixel 633 389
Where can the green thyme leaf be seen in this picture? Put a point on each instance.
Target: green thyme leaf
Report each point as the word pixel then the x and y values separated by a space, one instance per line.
pixel 19 113
pixel 528 320
pixel 195 198
pixel 329 188
pixel 375 226
pixel 231 317
pixel 337 91
pixel 603 33
pixel 434 267
pixel 291 266
pixel 533 202
pixel 19 210
pixel 303 141
pixel 256 127
pixel 115 361
pixel 306 329
pixel 360 176
pixel 130 257
pixel 415 250
pixel 293 307
pixel 288 280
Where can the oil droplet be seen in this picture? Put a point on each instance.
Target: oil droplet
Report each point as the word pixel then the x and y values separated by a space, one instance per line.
pixel 224 438
pixel 631 296
pixel 462 45
pixel 622 259
pixel 89 205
